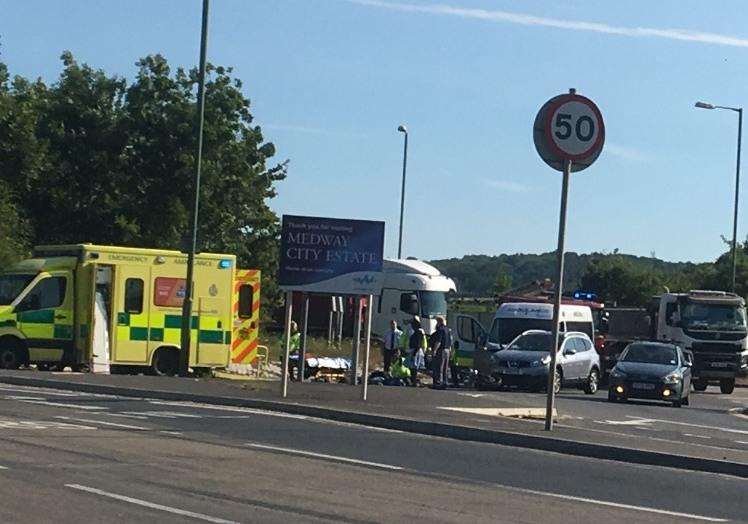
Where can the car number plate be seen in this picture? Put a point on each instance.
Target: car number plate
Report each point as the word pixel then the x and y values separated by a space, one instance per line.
pixel 720 364
pixel 511 371
pixel 642 385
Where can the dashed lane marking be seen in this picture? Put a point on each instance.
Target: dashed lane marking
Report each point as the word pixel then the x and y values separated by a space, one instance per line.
pixel 323 456
pixel 251 411
pixel 151 505
pixel 65 405
pixel 162 414
pixel 696 436
pixel 101 422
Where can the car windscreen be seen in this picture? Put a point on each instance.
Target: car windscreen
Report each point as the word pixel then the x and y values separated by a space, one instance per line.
pixel 504 330
pixel 650 354
pixel 532 342
pixel 11 286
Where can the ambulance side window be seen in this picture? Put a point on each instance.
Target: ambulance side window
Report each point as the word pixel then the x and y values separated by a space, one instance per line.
pixel 245 301
pixel 134 296
pixel 47 294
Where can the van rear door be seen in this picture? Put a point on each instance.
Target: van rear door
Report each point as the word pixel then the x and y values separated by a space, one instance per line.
pixel 470 336
pixel 246 312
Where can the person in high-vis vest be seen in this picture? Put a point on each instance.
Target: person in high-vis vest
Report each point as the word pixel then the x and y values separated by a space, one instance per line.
pixel 294 347
pixel 399 372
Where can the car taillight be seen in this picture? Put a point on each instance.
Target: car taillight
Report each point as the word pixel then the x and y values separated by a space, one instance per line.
pixel 600 343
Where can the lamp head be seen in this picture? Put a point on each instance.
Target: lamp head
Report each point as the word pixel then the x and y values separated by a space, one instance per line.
pixel 704 105
pixel 402 129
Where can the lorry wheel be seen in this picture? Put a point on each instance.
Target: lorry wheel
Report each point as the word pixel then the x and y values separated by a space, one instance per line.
pixel 727 385
pixel 165 363
pixel 590 387
pixel 9 358
pixel 700 384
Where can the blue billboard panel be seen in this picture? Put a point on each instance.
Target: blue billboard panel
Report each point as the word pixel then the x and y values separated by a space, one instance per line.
pixel 331 255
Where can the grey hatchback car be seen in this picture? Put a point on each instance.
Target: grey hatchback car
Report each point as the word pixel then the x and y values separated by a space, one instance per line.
pixel 525 362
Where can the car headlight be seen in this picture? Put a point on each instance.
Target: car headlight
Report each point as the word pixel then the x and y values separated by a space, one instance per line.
pixel 542 362
pixel 616 373
pixel 672 378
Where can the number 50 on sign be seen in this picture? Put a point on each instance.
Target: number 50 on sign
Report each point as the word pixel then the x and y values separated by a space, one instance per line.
pixel 569 127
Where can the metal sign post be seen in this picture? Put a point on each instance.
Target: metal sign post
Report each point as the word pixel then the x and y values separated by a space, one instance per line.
pixel 286 344
pixel 365 378
pixel 569 134
pixel 552 374
pixel 356 342
pixel 305 328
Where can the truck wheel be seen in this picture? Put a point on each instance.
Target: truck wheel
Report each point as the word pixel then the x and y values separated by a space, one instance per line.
pixel 700 384
pixel 590 387
pixel 727 385
pixel 165 362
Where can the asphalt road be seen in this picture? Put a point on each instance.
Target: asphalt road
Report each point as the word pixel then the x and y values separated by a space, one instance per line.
pixel 72 457
pixel 711 420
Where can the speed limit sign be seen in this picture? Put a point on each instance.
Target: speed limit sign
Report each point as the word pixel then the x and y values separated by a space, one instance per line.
pixel 569 127
pixel 569 134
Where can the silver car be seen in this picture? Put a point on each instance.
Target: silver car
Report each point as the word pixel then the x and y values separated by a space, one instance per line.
pixel 525 362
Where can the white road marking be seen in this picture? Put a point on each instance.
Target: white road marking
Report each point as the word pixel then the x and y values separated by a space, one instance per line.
pixel 113 424
pixel 162 414
pixel 65 405
pixel 696 436
pixel 40 424
pixel 19 397
pixel 177 433
pixel 740 442
pixel 327 457
pixel 3 467
pixel 123 415
pixel 252 411
pixel 637 422
pixel 616 505
pixel 729 430
pixel 151 505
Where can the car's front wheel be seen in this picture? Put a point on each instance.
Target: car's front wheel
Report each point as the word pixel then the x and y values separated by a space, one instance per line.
pixel 593 381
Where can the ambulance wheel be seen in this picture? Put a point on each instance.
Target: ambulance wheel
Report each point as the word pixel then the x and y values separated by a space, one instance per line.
pixel 10 357
pixel 165 362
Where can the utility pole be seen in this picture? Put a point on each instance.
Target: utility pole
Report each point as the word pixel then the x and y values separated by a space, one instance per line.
pixel 184 354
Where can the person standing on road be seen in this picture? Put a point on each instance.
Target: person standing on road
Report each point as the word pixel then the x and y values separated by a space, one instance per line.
pixel 416 349
pixel 441 344
pixel 391 345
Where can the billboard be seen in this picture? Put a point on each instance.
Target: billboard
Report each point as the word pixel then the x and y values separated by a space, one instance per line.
pixel 331 255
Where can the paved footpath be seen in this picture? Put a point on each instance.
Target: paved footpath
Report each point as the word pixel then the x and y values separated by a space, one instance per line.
pixel 710 435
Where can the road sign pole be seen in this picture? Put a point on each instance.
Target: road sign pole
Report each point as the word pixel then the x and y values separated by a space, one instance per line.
pixel 367 346
pixel 356 342
pixel 557 299
pixel 302 350
pixel 286 344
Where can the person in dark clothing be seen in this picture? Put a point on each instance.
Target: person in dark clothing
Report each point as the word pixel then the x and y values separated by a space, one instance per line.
pixel 441 346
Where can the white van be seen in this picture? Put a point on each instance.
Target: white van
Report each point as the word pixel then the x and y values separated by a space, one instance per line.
pixel 514 318
pixel 411 287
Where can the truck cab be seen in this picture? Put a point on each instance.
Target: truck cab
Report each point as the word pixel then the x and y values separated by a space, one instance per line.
pixel 711 326
pixel 410 287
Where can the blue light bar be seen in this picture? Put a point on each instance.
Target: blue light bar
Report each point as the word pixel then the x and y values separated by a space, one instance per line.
pixel 224 264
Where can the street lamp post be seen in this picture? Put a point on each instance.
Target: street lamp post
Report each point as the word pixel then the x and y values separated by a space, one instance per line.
pixel 739 111
pixel 184 354
pixel 403 130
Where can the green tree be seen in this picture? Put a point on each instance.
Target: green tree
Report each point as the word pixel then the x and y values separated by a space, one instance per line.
pixel 92 158
pixel 617 280
pixel 502 282
pixel 14 231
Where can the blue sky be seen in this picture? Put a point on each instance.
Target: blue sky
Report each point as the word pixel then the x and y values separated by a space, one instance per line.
pixel 330 80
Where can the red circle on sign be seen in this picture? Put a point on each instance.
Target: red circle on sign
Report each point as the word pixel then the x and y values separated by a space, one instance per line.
pixel 563 99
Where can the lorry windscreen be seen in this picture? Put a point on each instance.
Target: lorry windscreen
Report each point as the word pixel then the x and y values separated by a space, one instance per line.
pixel 433 303
pixel 11 286
pixel 504 330
pixel 713 317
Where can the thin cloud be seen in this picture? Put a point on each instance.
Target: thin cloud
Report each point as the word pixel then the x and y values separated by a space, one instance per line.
pixel 626 153
pixel 686 35
pixel 507 185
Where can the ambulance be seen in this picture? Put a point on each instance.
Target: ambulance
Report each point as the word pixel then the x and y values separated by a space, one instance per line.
pixel 118 309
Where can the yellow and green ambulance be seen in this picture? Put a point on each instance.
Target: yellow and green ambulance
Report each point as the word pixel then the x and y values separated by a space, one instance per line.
pixel 118 309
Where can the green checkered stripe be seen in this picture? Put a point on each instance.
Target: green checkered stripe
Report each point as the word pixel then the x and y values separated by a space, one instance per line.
pixel 42 324
pixel 169 330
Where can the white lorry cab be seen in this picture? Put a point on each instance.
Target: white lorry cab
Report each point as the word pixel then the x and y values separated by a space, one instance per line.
pixel 514 318
pixel 410 287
